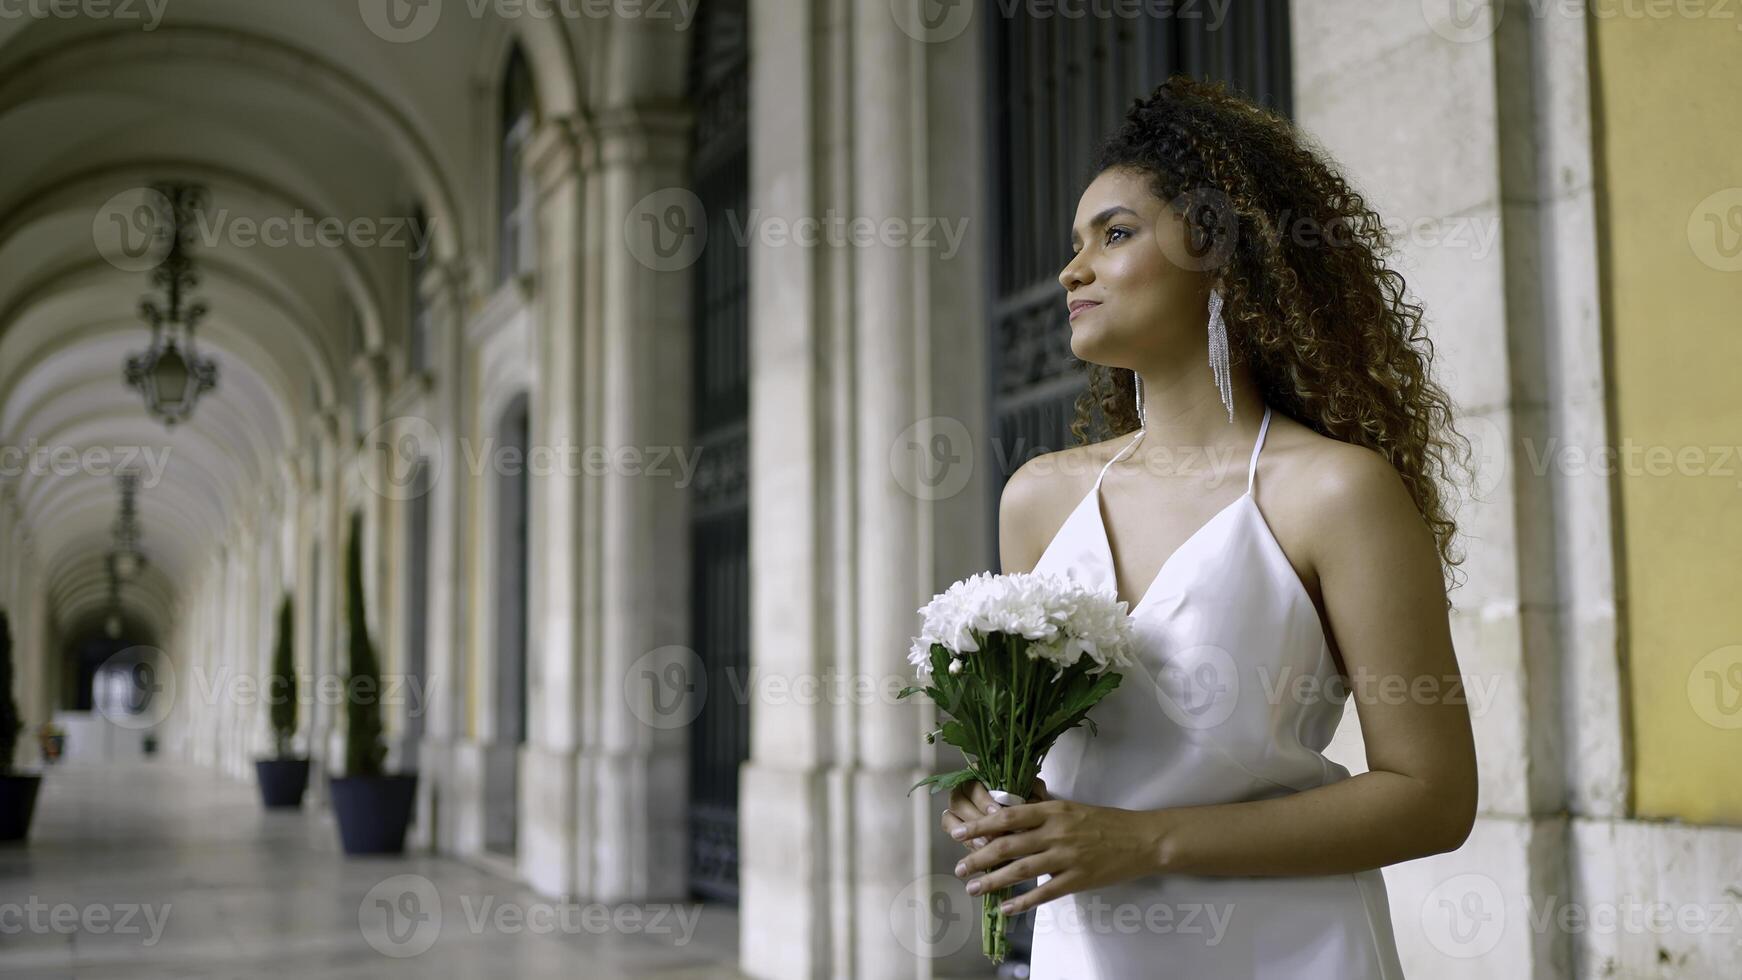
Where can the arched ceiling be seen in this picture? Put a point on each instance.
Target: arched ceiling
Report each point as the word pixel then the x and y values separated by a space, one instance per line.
pixel 282 110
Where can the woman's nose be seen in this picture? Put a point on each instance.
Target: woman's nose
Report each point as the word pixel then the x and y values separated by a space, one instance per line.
pixel 1074 274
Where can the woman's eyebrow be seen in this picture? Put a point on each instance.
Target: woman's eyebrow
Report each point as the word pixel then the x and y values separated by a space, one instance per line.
pixel 1101 219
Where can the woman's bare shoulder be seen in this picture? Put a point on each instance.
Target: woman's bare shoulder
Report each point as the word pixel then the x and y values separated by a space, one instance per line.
pixel 1041 494
pixel 1305 476
pixel 1314 465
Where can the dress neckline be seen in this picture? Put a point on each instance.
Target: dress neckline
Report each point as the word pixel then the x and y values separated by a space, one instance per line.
pixel 1106 542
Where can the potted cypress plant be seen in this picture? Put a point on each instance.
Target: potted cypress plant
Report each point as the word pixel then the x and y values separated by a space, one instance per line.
pixel 372 807
pixel 17 789
pixel 284 776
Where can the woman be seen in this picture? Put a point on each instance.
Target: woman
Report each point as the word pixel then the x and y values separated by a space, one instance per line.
pixel 1201 832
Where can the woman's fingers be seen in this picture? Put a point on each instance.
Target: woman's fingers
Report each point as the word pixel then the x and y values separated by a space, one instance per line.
pixel 970 801
pixel 981 797
pixel 1009 849
pixel 964 808
pixel 951 822
pixel 965 800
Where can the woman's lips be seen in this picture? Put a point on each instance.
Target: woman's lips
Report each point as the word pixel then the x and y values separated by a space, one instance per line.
pixel 1080 309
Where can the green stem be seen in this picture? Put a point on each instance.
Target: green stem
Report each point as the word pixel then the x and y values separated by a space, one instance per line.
pixel 1010 718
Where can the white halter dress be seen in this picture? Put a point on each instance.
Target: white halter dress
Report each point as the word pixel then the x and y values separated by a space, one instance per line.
pixel 1213 714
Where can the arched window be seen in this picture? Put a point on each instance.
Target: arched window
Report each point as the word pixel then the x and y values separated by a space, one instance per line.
pixel 519 117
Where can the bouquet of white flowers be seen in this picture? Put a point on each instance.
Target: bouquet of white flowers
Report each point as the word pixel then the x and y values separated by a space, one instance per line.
pixel 1014 661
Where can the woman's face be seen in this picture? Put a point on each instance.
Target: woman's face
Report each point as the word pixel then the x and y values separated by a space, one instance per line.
pixel 1148 308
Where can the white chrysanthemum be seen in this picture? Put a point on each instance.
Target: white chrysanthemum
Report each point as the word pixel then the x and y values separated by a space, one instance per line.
pixel 1062 620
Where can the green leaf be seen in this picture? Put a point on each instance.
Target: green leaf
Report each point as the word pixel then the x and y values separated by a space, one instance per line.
pixel 945 780
pixel 1082 692
pixel 957 734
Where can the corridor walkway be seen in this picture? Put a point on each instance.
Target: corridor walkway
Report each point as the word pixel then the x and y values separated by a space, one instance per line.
pixel 156 870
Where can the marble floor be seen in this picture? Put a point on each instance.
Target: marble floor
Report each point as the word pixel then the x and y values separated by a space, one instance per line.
pixel 157 870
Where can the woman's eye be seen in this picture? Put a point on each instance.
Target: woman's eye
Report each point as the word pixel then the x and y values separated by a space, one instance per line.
pixel 1121 229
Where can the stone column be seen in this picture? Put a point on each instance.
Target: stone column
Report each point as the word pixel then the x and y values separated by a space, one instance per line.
pixel 634 762
pixel 835 852
pixel 325 746
pixel 1478 130
pixel 547 834
pixel 793 873
pixel 232 661
pixel 604 792
pixel 305 514
pixel 437 800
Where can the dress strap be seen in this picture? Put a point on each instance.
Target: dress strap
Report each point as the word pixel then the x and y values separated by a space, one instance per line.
pixel 1119 456
pixel 1252 467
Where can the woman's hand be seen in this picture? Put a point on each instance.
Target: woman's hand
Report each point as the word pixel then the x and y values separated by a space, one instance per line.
pixel 971 801
pixel 1080 846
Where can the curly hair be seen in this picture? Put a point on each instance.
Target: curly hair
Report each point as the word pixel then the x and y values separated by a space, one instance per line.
pixel 1319 317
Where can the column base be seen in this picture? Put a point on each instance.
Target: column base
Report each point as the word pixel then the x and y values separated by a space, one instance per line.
pixel 547 831
pixel 634 829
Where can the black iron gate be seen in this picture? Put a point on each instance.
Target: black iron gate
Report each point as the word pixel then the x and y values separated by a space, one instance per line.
pixel 1055 85
pixel 720 504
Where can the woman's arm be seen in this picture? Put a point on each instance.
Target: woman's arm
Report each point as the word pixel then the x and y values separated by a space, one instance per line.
pixel 1380 577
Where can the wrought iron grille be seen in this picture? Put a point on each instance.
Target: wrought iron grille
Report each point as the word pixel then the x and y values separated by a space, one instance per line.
pixel 720 503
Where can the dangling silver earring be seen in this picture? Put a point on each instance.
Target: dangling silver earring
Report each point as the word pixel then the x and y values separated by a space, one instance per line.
pixel 1142 423
pixel 1219 353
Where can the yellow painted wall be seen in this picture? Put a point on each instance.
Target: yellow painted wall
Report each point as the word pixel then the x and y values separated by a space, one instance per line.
pixel 1669 148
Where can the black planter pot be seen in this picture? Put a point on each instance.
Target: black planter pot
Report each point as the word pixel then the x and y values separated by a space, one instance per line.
pixel 17 803
pixel 281 781
pixel 373 811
